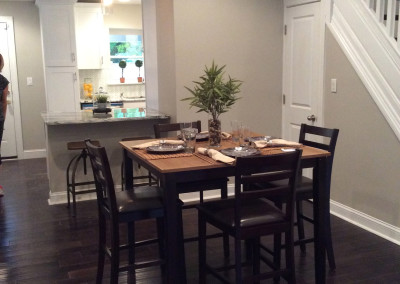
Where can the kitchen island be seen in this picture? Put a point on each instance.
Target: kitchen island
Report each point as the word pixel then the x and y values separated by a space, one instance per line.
pixel 108 129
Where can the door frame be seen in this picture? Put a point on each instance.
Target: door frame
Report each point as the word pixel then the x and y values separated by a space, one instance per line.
pixel 325 10
pixel 14 84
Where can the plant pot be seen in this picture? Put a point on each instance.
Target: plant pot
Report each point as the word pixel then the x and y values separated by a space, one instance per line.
pixel 122 80
pixel 214 132
pixel 139 79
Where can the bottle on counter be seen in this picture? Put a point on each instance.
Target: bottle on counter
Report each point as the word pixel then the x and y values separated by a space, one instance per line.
pixel 87 88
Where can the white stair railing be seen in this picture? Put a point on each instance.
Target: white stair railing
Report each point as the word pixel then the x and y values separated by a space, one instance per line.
pixel 368 33
pixel 385 12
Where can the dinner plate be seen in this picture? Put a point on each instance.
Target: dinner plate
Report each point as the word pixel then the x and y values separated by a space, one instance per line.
pixel 240 152
pixel 165 148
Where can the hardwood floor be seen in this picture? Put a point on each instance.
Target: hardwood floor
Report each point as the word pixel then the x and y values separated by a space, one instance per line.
pixel 44 244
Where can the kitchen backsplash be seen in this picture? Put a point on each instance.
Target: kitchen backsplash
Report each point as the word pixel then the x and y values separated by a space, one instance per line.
pixel 99 79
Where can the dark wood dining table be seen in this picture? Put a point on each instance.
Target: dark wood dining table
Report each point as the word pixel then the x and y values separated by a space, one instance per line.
pixel 172 169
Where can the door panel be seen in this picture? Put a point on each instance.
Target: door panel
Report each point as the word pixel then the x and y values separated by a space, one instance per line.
pixel 302 75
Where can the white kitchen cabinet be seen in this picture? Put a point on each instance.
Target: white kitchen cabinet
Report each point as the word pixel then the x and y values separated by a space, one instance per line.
pixel 59 50
pixel 58 32
pixel 89 30
pixel 62 89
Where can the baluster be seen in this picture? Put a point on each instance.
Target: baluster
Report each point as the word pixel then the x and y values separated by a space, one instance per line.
pixel 380 10
pixel 398 27
pixel 391 17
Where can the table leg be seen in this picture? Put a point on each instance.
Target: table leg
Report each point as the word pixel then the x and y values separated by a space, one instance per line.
pixel 320 206
pixel 128 170
pixel 175 265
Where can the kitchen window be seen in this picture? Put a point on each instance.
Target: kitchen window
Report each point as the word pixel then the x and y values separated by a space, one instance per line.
pixel 126 44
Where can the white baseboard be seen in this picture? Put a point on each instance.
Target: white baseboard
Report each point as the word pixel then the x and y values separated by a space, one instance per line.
pixel 34 154
pixel 369 223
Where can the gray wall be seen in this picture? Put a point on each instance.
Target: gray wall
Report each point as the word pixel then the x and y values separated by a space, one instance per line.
pixel 29 64
pixel 247 37
pixel 367 161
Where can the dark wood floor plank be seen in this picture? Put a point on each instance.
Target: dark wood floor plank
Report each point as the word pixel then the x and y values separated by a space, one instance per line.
pixel 44 244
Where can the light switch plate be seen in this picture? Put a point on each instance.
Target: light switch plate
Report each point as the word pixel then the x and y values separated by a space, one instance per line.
pixel 29 81
pixel 333 85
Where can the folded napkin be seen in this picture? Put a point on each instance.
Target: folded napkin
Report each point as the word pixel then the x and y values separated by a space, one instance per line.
pixel 276 143
pixel 157 142
pixel 215 155
pixel 224 135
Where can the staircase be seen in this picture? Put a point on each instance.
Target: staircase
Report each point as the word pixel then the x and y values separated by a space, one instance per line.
pixel 368 32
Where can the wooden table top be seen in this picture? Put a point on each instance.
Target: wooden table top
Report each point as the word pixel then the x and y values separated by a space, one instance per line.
pixel 197 161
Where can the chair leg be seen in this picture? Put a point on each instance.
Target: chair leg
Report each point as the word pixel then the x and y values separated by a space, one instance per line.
pixel 300 224
pixel 225 237
pixel 74 167
pixel 329 246
pixel 277 254
pixel 114 253
pixel 202 249
pixel 289 255
pixel 69 183
pixel 238 260
pixel 256 258
pixel 161 244
pixel 131 252
pixel 101 248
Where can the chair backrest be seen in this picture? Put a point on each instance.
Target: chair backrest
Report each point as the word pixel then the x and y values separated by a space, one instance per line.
pixel 316 132
pixel 105 190
pixel 161 130
pixel 264 170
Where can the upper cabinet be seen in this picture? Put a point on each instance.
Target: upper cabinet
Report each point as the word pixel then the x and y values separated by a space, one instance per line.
pixel 89 30
pixel 58 33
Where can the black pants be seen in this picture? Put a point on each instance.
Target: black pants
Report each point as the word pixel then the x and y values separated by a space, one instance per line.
pixel 1 134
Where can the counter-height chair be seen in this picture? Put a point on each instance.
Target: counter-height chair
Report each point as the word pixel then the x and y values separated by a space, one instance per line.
pixel 172 129
pixel 126 207
pixel 145 179
pixel 75 187
pixel 325 139
pixel 249 215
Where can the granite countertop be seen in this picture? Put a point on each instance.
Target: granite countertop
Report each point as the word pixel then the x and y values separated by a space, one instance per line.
pixel 86 116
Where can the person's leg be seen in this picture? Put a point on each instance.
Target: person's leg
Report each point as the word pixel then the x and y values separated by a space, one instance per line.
pixel 1 138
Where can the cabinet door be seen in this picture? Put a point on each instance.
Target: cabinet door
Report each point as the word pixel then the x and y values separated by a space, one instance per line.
pixel 62 90
pixel 89 36
pixel 58 32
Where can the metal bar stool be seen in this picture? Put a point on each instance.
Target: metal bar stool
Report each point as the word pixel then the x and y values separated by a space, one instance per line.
pixel 72 184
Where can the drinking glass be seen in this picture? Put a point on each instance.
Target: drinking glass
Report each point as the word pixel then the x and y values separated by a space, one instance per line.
pixel 235 124
pixel 188 134
pixel 244 133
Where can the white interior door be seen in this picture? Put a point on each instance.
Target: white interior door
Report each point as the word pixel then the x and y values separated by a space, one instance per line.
pixel 9 143
pixel 303 69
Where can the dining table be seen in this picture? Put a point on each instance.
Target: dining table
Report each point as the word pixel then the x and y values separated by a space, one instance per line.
pixel 174 168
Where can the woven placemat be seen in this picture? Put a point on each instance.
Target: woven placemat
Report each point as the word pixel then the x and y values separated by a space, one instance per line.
pixel 149 156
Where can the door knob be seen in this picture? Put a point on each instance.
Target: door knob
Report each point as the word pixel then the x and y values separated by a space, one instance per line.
pixel 311 118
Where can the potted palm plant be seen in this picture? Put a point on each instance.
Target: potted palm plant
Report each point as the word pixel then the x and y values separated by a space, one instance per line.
pixel 139 63
pixel 122 65
pixel 213 95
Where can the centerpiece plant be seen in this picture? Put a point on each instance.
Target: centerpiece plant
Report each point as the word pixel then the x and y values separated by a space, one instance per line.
pixel 214 95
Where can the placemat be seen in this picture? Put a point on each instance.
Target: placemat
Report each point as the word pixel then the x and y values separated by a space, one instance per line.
pixel 206 158
pixel 149 156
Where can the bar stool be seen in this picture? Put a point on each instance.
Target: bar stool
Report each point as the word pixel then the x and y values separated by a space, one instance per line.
pixel 72 184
